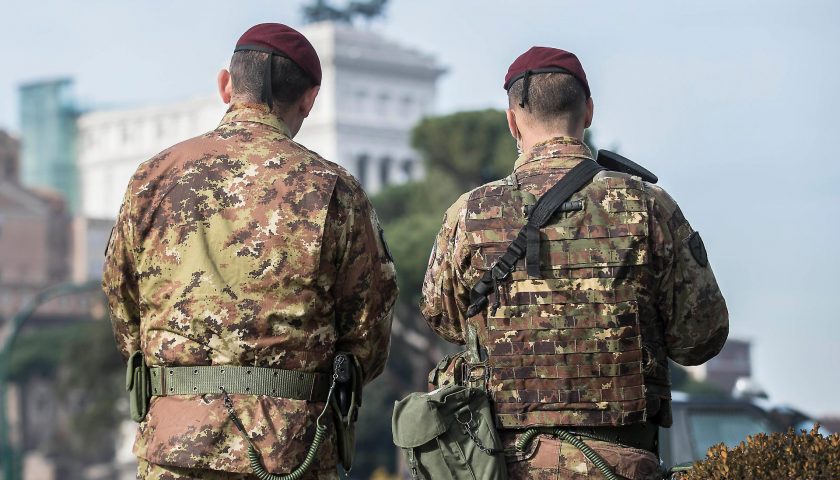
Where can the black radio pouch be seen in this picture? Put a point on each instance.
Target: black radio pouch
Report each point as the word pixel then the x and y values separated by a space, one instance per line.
pixel 346 401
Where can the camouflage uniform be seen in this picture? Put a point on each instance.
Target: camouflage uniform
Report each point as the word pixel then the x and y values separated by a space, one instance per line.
pixel 587 344
pixel 241 247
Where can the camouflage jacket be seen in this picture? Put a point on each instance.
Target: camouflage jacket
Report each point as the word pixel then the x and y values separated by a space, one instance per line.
pixel 242 247
pixel 682 314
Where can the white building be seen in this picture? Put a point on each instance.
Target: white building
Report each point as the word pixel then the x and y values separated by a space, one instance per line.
pixel 373 92
pixel 112 143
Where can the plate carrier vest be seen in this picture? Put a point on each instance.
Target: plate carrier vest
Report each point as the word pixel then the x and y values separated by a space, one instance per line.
pixel 564 349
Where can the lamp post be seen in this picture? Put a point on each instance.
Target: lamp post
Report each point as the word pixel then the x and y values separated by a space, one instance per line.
pixel 7 459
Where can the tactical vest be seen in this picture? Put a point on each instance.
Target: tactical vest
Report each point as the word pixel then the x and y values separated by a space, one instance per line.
pixel 565 349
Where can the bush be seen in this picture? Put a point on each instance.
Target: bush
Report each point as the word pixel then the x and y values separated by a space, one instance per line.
pixel 809 455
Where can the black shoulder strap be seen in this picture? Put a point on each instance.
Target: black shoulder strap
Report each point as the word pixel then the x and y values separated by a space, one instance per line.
pixel 528 239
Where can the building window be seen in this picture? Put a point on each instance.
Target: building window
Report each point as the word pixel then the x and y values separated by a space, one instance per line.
pixel 408 168
pixel 407 104
pixel 361 100
pixel 362 162
pixel 382 103
pixel 385 171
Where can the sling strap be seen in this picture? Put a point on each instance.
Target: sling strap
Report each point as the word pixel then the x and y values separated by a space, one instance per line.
pixel 274 382
pixel 527 242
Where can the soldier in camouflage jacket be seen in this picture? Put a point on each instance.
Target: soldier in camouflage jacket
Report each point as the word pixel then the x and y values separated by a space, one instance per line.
pixel 242 247
pixel 625 285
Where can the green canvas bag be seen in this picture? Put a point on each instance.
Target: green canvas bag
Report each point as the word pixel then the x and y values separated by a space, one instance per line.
pixel 448 434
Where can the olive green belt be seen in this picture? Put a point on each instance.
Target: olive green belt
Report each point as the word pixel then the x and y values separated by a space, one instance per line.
pixel 274 382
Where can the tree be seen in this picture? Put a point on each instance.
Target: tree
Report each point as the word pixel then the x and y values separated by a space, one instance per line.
pixel 471 148
pixel 460 152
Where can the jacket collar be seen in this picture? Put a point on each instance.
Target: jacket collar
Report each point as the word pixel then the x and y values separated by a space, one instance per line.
pixel 557 152
pixel 254 113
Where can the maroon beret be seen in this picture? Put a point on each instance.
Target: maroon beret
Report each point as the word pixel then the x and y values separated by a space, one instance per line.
pixel 279 39
pixel 546 60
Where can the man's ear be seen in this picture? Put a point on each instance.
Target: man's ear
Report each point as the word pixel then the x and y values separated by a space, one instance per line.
pixel 225 85
pixel 512 126
pixel 308 101
pixel 590 112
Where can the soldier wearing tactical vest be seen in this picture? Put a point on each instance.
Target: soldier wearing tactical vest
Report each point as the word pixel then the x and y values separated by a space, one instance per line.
pixel 577 333
pixel 240 265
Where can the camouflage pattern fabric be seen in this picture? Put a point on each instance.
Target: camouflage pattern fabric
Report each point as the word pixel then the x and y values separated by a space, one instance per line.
pixel 638 267
pixel 149 471
pixel 548 458
pixel 241 247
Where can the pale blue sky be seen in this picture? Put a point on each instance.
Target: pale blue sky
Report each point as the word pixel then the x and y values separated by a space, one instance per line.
pixel 733 106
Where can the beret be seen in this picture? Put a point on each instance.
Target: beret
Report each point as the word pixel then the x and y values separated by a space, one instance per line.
pixel 546 60
pixel 279 39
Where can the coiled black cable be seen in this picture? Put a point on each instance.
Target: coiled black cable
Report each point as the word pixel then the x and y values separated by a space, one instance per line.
pixel 300 471
pixel 254 455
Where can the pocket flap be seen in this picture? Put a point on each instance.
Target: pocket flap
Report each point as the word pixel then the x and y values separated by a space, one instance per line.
pixel 416 421
pixel 419 418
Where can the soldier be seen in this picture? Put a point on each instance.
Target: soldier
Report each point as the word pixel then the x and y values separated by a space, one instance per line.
pixel 579 333
pixel 240 263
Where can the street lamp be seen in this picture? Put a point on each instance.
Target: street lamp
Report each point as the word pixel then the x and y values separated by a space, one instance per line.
pixel 15 324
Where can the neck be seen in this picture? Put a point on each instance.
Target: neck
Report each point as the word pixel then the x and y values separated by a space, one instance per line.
pixel 534 136
pixel 291 121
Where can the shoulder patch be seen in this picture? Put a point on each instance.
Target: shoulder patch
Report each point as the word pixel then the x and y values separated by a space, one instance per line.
pixel 698 250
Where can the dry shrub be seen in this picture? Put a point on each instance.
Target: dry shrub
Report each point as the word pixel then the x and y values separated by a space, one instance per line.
pixel 775 456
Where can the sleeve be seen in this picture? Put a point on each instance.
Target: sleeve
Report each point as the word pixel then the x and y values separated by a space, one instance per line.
pixel 688 298
pixel 366 286
pixel 119 282
pixel 446 296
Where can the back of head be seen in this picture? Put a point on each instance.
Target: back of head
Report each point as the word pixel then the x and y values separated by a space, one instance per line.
pixel 288 81
pixel 271 62
pixel 552 98
pixel 548 86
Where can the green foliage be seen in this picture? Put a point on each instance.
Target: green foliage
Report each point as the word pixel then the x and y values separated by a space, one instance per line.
pixel 461 151
pixel 93 374
pixel 472 148
pixel 40 352
pixel 88 373
pixel 778 455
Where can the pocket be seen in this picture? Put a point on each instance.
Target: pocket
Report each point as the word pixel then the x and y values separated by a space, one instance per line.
pixel 631 463
pixel 449 434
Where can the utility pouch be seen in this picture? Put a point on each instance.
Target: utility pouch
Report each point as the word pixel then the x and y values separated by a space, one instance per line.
pixel 448 434
pixel 345 402
pixel 138 385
